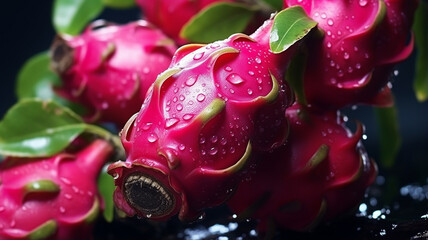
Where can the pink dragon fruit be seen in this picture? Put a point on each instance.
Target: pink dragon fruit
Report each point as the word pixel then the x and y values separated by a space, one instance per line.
pixel 171 16
pixel 52 198
pixel 321 172
pixel 363 39
pixel 193 136
pixel 109 69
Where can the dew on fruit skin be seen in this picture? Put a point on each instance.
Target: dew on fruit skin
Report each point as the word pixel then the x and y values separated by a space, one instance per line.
pixel 232 91
pixel 362 3
pixel 228 69
pixel 152 138
pixel 328 44
pixel 68 196
pixel 198 56
pixel 179 107
pixel 330 22
pixel 191 80
pixel 181 147
pixel 346 55
pixel 65 180
pixel 171 122
pixel 200 97
pixel 61 209
pixel 213 151
pixel 187 117
pixel 234 79
pixel 258 60
pixel 202 140
pixel 250 92
pixel 147 126
pixel 214 139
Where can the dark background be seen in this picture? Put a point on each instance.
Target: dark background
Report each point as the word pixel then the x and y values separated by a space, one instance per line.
pixel 26 30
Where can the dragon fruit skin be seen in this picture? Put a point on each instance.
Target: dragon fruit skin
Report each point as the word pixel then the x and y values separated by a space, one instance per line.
pixel 321 172
pixel 171 16
pixel 111 68
pixel 52 198
pixel 363 40
pixel 192 139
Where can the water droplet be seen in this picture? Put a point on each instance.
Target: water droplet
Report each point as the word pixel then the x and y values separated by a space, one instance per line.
pixel 200 97
pixel 61 209
pixel 258 60
pixel 228 69
pixel 198 56
pixel 187 117
pixel 350 69
pixel 148 215
pixel 332 63
pixel 214 139
pixel 223 141
pixel 152 138
pixel 396 72
pixel 250 92
pixel 191 80
pixel 363 3
pixel 234 79
pixel 323 16
pixel 202 140
pixel 179 107
pixel 340 73
pixel 232 150
pixel 251 73
pixel 66 180
pixel 68 196
pixel 357 66
pixel 330 22
pixel 232 91
pixel 171 122
pixel 181 147
pixel 346 55
pixel 147 126
pixel 213 151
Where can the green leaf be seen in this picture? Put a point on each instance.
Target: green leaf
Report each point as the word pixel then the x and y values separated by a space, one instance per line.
pixel 289 26
pixel 106 187
pixel 420 29
pixel 276 4
pixel 218 21
pixel 389 134
pixel 35 79
pixel 35 128
pixel 119 3
pixel 71 16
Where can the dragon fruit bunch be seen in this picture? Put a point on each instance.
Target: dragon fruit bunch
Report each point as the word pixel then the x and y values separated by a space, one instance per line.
pixel 109 67
pixel 52 198
pixel 321 173
pixel 191 141
pixel 363 40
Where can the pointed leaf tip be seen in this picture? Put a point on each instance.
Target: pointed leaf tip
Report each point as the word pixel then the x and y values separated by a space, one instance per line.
pixel 289 26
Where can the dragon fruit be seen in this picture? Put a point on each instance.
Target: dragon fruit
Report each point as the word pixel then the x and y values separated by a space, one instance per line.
pixel 192 139
pixel 171 16
pixel 321 172
pixel 52 198
pixel 363 39
pixel 109 69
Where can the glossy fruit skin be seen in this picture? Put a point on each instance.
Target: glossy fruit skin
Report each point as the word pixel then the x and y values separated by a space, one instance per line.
pixel 199 124
pixel 171 16
pixel 52 198
pixel 109 67
pixel 353 62
pixel 320 173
